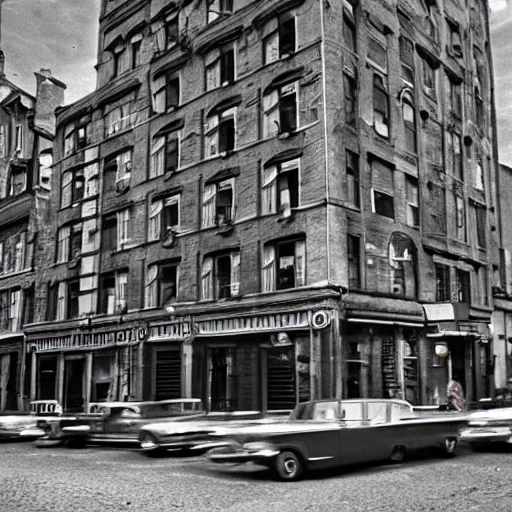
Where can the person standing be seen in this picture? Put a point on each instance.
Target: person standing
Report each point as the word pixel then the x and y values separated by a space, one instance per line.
pixel 455 395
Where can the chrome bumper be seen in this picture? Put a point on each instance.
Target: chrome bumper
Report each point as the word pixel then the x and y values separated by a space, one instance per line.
pixel 486 435
pixel 242 456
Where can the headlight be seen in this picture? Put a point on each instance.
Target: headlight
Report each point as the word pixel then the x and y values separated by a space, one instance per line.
pixel 257 446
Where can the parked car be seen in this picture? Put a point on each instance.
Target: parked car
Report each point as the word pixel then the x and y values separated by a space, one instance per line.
pixel 489 427
pixel 157 438
pixel 330 433
pixel 116 422
pixel 23 425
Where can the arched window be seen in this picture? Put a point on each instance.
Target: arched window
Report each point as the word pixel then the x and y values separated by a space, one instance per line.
pixel 409 122
pixel 403 266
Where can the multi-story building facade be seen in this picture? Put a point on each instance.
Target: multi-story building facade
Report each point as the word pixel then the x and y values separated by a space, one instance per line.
pixel 26 134
pixel 266 202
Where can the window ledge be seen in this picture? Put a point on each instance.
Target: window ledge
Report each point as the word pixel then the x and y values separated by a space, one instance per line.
pixel 17 273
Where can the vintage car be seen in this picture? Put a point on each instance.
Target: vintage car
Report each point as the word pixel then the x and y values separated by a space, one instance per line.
pixel 115 422
pixel 330 433
pixel 157 438
pixel 489 427
pixel 23 425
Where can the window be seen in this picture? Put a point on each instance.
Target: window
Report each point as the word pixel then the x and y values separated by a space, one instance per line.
pixel 69 139
pixel 280 188
pixel 161 285
pixel 136 45
pixel 383 189
pixel 483 277
pixel 69 242
pixel 124 219
pixel 350 93
pixel 164 215
pixel 407 60
pixel 377 54
pixel 218 8
pixel 220 276
pixel 72 187
pixel 172 32
pixel 454 148
pixel 478 181
pixel 19 138
pixel 455 42
pixel 10 310
pixel 113 292
pixel 71 299
pixel 349 29
pixel 381 119
pixel 479 107
pixel 403 266
pixel 77 136
pixel 109 233
pixel 352 178
pixel 413 205
pixel 429 79
pixel 167 92
pixel 409 120
pixel 455 98
pixel 460 217
pixel 220 132
pixel 443 288
pixel 284 265
pixel 218 201
pixel 83 136
pixel 15 253
pixel 279 38
pixel 481 224
pixel 432 28
pixel 165 154
pixel 463 286
pixel 119 118
pixel 121 60
pixel 280 110
pixel 18 177
pixel 354 261
pixel 220 67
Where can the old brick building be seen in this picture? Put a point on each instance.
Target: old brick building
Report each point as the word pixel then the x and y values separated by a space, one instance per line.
pixel 264 202
pixel 26 134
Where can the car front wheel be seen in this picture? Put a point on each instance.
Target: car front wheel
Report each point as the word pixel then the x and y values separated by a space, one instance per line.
pixel 288 466
pixel 450 444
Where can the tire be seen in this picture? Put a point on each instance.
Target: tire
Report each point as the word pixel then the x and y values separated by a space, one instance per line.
pixel 450 445
pixel 288 466
pixel 397 455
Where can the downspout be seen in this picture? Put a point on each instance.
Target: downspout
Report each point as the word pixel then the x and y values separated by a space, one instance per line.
pixel 326 146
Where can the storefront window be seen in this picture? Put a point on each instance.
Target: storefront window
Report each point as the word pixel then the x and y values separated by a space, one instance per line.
pixel 103 371
pixel 222 379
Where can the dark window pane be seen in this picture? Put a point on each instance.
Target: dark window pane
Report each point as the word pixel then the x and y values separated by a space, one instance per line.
pixel 354 261
pixel 442 283
pixel 167 283
pixel 288 113
pixel 287 37
pixel 226 135
pixel 384 204
pixel 227 67
pixel 286 266
pixel 172 154
pixel 173 92
pixel 73 294
pixel 109 233
pixel 223 275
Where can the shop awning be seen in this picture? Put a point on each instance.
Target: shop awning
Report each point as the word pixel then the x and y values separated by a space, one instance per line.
pixel 383 311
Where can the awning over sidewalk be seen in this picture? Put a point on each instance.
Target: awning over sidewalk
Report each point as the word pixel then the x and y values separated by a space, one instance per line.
pixel 383 311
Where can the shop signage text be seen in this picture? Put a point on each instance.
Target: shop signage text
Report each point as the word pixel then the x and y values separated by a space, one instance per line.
pixel 93 340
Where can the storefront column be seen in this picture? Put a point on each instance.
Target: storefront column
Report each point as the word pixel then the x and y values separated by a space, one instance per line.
pixel 140 372
pixel 335 339
pixel 33 376
pixel 186 386
pixel 60 379
pixel 88 381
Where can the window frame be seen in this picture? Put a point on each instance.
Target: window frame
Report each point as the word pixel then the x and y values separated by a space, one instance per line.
pixel 272 202
pixel 286 90
pixel 160 231
pixel 413 207
pixel 270 267
pixel 354 261
pixel 277 35
pixel 352 170
pixel 215 130
pixel 443 282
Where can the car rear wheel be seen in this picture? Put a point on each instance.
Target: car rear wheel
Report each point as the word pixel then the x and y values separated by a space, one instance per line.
pixel 288 466
pixel 450 444
pixel 397 455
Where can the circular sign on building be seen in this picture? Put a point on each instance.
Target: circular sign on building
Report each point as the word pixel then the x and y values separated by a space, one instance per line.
pixel 320 319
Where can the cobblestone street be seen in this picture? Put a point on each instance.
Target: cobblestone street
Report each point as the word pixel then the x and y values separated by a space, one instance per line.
pixel 102 479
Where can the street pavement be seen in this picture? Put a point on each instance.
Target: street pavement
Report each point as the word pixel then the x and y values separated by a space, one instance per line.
pixel 112 479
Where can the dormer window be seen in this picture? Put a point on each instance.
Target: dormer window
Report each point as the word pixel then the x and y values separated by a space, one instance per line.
pixel 279 38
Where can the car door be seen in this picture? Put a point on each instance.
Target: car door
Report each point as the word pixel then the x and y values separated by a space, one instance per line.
pixel 127 424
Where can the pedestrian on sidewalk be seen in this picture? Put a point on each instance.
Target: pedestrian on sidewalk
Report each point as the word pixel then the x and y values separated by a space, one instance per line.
pixel 455 395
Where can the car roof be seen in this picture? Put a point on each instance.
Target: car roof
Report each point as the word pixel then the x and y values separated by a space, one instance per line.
pixel 358 400
pixel 139 404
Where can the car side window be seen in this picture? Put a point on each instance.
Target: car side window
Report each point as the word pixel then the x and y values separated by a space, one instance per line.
pixel 128 413
pixel 377 412
pixel 327 411
pixel 352 411
pixel 400 411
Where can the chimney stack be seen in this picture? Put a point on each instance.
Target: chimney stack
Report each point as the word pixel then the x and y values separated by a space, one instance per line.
pixel 49 96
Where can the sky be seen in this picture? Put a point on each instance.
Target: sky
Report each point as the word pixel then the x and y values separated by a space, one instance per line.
pixel 56 34
pixel 62 35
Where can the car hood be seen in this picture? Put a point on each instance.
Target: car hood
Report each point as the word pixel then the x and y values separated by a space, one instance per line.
pixel 17 420
pixel 492 415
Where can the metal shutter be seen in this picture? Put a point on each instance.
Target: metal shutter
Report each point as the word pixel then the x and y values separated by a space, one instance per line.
pixel 168 374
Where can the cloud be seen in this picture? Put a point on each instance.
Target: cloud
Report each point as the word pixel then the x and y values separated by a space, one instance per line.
pixel 497 5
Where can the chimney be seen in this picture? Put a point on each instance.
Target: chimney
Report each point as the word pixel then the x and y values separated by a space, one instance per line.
pixel 49 96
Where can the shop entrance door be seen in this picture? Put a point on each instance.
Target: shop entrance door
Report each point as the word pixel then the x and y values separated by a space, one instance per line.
pixel 12 388
pixel 47 377
pixel 74 384
pixel 167 373
pixel 281 383
pixel 221 378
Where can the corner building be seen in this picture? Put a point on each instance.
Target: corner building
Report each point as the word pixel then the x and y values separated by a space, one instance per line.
pixel 268 202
